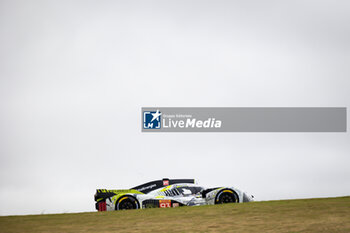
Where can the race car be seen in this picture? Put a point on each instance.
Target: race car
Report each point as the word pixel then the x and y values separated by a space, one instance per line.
pixel 167 193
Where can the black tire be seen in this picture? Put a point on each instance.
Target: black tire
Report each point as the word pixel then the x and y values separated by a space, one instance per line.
pixel 226 196
pixel 126 203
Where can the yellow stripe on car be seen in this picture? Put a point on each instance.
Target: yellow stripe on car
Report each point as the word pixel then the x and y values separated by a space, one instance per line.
pixel 166 188
pixel 122 199
pixel 228 191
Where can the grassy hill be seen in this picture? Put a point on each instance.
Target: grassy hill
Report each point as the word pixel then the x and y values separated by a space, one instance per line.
pixel 302 215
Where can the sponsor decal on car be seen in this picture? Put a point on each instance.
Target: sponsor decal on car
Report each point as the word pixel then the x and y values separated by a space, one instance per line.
pixel 164 203
pixel 147 187
pixel 165 182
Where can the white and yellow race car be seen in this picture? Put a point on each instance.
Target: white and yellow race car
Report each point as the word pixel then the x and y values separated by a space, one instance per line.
pixel 167 193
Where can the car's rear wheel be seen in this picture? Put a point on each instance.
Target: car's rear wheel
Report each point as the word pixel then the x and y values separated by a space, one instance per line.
pixel 126 203
pixel 226 196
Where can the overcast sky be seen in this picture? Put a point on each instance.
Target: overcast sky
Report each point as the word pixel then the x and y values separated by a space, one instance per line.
pixel 75 74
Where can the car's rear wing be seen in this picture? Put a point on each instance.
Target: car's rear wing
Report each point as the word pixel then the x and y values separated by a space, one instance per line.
pixel 102 194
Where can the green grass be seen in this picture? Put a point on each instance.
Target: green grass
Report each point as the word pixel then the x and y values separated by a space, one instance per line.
pixel 302 215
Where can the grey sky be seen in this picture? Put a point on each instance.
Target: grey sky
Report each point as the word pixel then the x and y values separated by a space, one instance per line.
pixel 75 74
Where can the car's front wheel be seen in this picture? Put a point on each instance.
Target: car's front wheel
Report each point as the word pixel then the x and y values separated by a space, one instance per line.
pixel 226 196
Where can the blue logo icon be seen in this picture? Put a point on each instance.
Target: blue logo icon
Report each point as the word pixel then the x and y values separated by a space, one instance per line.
pixel 152 120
